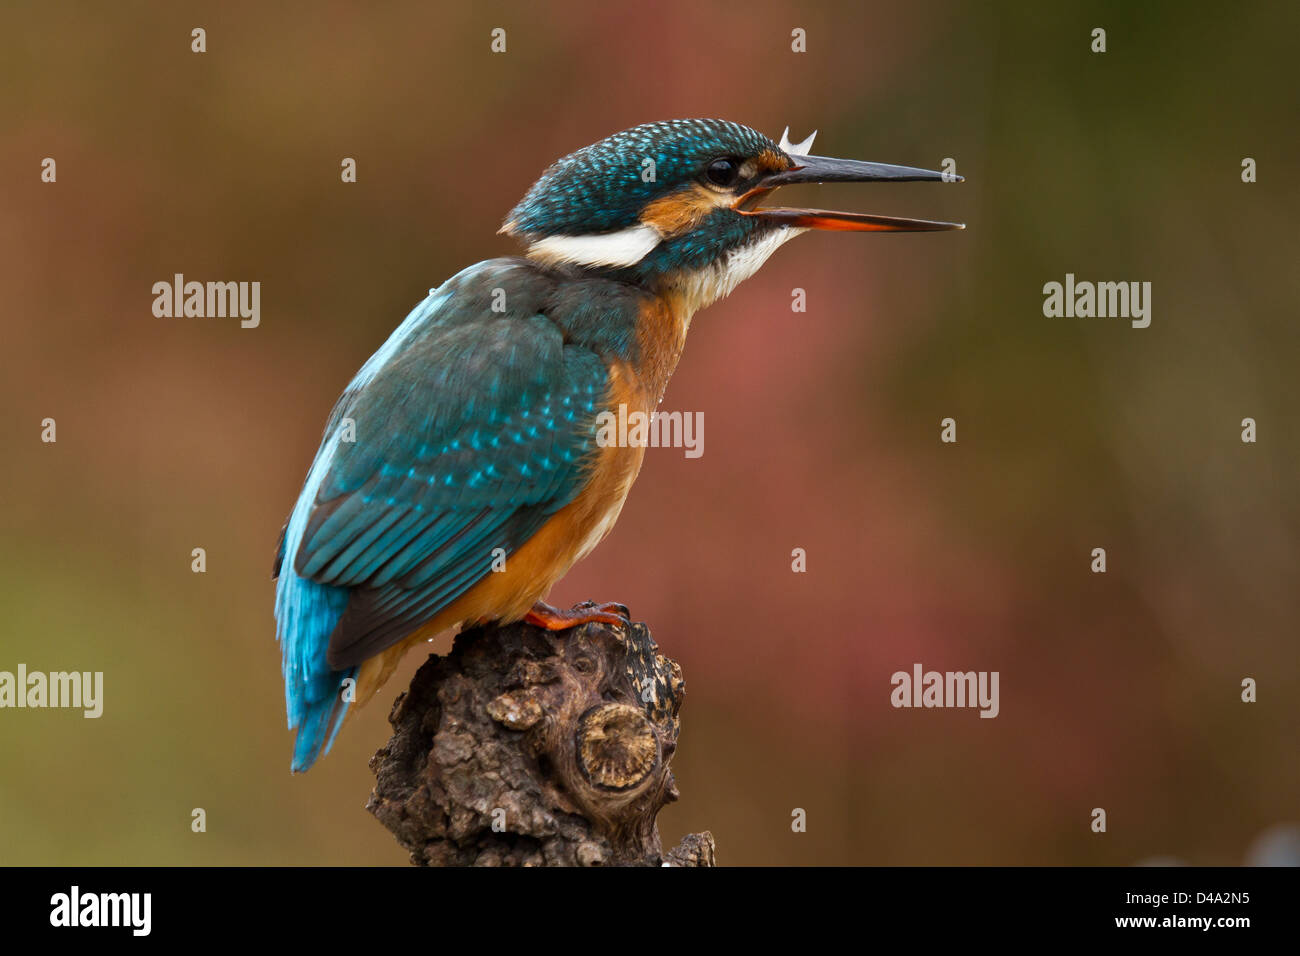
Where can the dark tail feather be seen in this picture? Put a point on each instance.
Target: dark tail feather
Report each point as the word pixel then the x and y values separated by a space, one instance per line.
pixel 320 722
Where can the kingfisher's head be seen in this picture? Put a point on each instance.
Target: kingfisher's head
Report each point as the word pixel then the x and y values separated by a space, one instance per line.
pixel 676 205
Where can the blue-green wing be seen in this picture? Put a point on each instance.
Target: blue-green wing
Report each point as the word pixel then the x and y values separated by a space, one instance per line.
pixel 474 428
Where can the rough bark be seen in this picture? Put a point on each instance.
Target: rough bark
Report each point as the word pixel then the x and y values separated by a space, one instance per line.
pixel 527 747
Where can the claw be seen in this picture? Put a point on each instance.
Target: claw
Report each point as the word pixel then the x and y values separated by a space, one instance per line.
pixel 588 612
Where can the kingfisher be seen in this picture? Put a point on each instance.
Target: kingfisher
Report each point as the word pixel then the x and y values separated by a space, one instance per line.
pixel 460 474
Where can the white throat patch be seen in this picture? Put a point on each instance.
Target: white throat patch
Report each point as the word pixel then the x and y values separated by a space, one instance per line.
pixel 705 286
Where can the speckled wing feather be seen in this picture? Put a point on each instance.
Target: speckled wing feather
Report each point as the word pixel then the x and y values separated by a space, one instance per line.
pixel 467 439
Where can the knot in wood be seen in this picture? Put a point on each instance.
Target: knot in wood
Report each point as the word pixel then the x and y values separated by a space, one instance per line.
pixel 617 746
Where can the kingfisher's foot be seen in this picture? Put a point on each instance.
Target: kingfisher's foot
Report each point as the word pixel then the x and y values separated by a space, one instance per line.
pixel 588 612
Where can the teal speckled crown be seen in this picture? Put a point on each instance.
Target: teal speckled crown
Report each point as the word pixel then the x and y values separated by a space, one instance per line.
pixel 600 187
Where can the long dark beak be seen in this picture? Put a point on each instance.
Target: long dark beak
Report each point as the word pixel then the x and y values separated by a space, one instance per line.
pixel 823 169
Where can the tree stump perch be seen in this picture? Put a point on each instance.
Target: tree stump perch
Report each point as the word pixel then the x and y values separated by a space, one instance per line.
pixel 528 747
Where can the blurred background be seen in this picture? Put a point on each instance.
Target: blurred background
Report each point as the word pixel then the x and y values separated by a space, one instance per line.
pixel 1118 690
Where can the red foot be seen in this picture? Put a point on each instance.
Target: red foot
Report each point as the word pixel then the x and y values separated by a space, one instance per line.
pixel 553 619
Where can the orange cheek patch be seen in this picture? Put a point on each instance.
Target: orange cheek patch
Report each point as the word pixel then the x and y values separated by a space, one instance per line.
pixel 770 161
pixel 682 210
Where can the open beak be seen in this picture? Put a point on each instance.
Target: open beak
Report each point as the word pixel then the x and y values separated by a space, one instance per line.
pixel 823 169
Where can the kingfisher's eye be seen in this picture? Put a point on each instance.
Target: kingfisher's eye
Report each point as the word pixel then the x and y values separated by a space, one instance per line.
pixel 723 171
